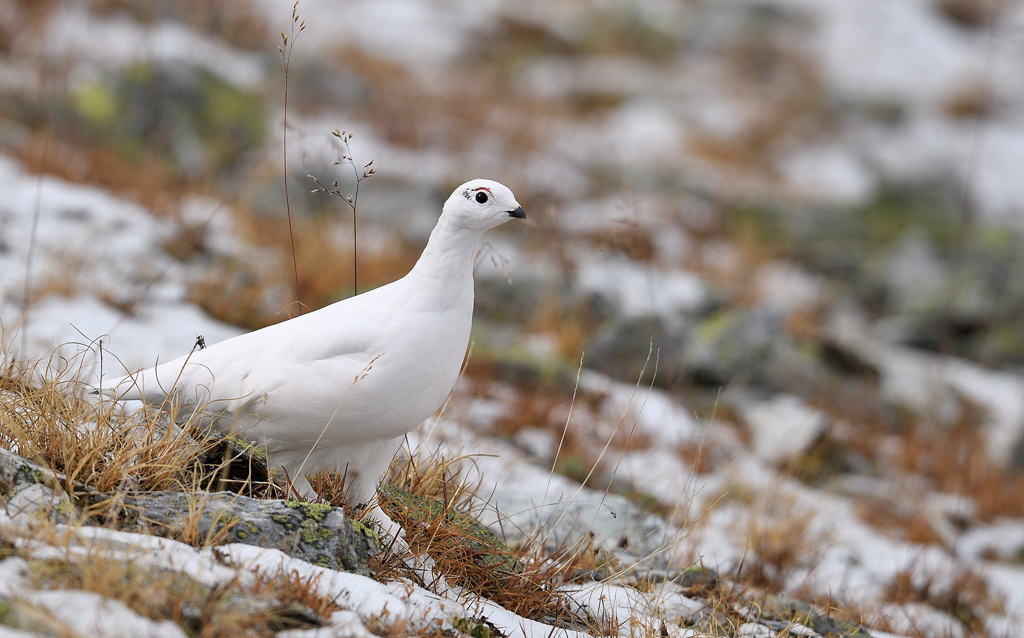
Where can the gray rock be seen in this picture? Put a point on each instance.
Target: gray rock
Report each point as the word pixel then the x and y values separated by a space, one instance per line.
pixel 751 348
pixel 725 348
pixel 316 533
pixel 611 522
pixel 782 613
pixel 29 488
pixel 319 534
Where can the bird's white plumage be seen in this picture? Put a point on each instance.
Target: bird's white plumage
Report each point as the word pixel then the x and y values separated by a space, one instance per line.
pixel 338 388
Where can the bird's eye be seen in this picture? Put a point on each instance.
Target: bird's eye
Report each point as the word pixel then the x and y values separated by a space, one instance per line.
pixel 481 197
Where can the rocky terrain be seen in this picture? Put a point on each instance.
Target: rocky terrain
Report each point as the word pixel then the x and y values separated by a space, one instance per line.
pixel 751 368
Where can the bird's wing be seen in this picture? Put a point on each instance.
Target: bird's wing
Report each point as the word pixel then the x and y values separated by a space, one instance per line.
pixel 335 342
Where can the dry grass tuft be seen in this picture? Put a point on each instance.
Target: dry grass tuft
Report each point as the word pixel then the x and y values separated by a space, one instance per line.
pixel 957 461
pixel 782 538
pixel 965 596
pixel 92 443
pixel 433 503
pixel 292 588
pixel 262 607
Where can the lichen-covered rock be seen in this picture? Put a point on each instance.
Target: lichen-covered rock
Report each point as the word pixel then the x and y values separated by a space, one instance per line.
pixel 748 347
pixel 317 533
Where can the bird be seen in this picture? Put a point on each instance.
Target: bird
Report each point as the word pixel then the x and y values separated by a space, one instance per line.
pixel 338 388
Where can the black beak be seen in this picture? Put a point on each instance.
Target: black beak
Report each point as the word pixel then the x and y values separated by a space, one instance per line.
pixel 517 213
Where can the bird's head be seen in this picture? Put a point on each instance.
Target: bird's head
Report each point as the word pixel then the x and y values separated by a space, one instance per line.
pixel 481 204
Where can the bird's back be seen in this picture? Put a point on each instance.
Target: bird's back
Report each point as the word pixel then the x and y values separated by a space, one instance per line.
pixel 361 369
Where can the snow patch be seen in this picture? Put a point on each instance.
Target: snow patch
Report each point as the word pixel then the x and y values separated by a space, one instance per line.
pixel 781 427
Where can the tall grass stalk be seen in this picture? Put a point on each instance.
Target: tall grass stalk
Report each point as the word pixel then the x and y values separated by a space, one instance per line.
pixel 287 45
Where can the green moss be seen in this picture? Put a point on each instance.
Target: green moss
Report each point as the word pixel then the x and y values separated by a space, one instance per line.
pixel 486 548
pixel 840 627
pixel 574 465
pixel 624 30
pixel 366 530
pixel 311 527
pixel 315 534
pixel 895 212
pixel 229 121
pixel 248 447
pixel 788 610
pixel 755 223
pixel 471 627
pixel 316 511
pixel 284 521
pixel 697 577
pixel 149 109
pixel 712 328
pixel 65 507
pixel 225 523
pixel 96 104
pixel 517 365
pixel 1003 342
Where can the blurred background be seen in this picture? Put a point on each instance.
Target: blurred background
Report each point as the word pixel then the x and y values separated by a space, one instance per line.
pixel 793 226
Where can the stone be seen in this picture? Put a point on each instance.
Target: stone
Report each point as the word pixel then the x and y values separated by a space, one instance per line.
pixel 29 488
pixel 319 534
pixel 316 533
pixel 778 609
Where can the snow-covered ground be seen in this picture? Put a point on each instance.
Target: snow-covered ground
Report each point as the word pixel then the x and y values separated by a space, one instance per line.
pixel 900 93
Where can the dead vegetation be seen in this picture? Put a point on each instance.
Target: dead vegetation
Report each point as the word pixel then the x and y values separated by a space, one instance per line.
pixel 92 443
pixel 259 606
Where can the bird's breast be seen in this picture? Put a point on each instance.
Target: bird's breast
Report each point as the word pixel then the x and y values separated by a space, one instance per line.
pixel 409 378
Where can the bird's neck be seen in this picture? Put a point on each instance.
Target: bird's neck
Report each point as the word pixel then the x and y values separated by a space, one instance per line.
pixel 446 264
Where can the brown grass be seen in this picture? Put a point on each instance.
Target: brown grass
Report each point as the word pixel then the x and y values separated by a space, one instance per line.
pixel 145 179
pixel 967 597
pixel 405 112
pixel 432 501
pixel 93 444
pixel 885 513
pixel 780 537
pixel 627 238
pixel 587 453
pixel 30 15
pixel 96 446
pixel 275 602
pixel 957 461
pixel 232 21
pixel 237 291
pixel 952 458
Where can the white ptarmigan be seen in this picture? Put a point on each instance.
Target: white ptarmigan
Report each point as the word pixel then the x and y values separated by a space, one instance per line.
pixel 340 387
